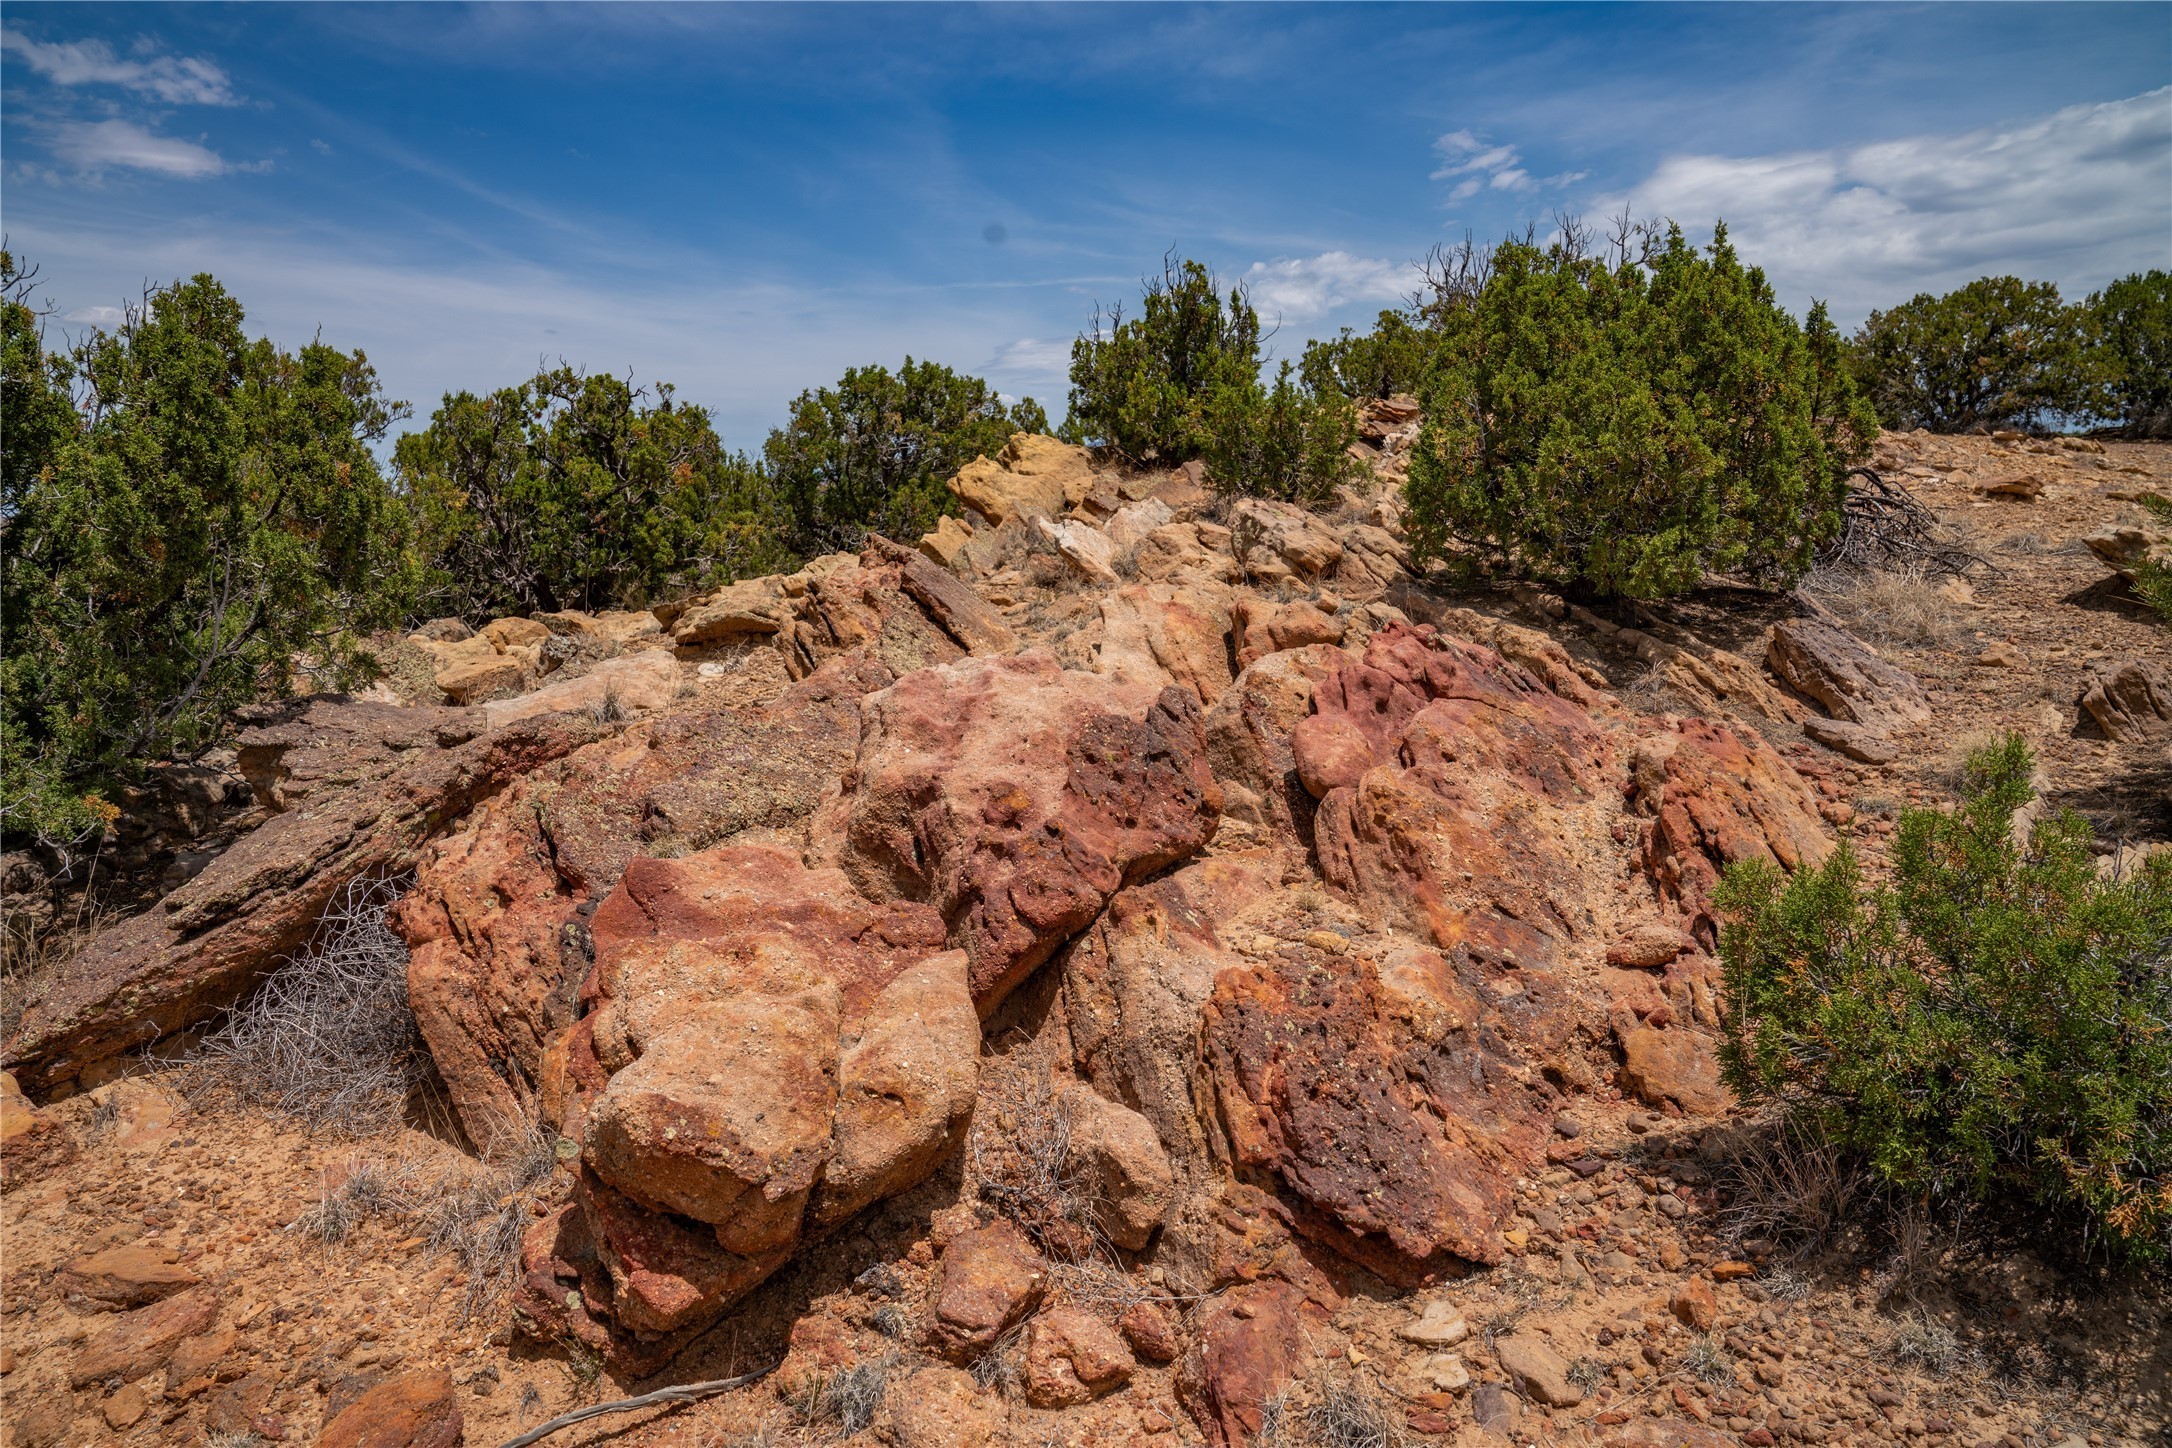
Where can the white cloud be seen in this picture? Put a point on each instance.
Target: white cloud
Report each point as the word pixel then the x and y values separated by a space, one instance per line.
pixel 174 79
pixel 1033 360
pixel 1480 164
pixel 98 145
pixel 96 316
pixel 1299 289
pixel 320 147
pixel 2078 197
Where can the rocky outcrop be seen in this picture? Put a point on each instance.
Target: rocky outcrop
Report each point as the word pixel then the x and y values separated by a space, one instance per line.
pixel 1016 797
pixel 1476 792
pixel 328 743
pixel 1251 1344
pixel 32 1143
pixel 497 921
pixel 1167 634
pixel 1837 670
pixel 1384 1099
pixel 1249 733
pixel 2131 702
pixel 1032 475
pixel 1715 795
pixel 617 688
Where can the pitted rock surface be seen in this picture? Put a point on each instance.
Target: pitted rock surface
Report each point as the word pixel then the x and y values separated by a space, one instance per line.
pixel 1016 797
pixel 1385 1098
pixel 1485 790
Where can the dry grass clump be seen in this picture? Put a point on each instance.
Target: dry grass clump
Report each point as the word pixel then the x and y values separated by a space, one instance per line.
pixel 1347 1413
pixel 370 1189
pixel 1708 1362
pixel 1903 609
pixel 478 1216
pixel 1931 1346
pixel 328 1039
pixel 850 1397
pixel 475 1212
pixel 1021 1157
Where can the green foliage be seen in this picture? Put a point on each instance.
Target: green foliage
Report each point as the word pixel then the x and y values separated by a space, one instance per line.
pixel 573 491
pixel 874 452
pixel 188 516
pixel 1624 428
pixel 2130 348
pixel 1995 1021
pixel 1141 390
pixel 1288 441
pixel 1389 359
pixel 1997 352
pixel 1181 382
pixel 2152 579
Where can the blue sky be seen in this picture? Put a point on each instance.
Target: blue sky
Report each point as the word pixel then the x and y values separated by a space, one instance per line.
pixel 746 200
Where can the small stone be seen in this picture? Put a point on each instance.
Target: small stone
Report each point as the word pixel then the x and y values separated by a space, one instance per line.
pixel 125 1407
pixel 140 1342
pixel 1493 1408
pixel 1438 1324
pixel 1446 1373
pixel 1540 1372
pixel 1151 1335
pixel 1647 946
pixel 200 1362
pixel 1073 1357
pixel 413 1410
pixel 1694 1304
pixel 992 1277
pixel 124 1277
pixel 1858 742
pixel 1732 1271
pixel 1999 655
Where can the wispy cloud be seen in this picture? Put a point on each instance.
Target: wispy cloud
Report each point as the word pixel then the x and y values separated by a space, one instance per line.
pixel 1481 165
pixel 1033 360
pixel 174 79
pixel 1302 288
pixel 2083 193
pixel 95 146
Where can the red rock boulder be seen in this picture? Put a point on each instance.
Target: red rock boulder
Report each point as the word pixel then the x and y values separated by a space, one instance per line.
pixel 1016 797
pixel 1478 818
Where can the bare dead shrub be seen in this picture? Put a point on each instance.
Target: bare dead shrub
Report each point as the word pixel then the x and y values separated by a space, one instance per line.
pixel 1791 1190
pixel 328 1040
pixel 1882 526
pixel 1020 1155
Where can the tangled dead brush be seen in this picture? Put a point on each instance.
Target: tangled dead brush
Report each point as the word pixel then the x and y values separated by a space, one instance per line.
pixel 328 1040
pixel 1020 1154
